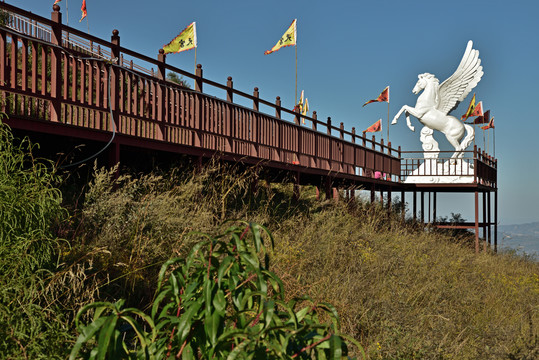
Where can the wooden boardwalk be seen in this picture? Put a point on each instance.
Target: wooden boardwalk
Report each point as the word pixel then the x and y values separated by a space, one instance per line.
pixel 57 80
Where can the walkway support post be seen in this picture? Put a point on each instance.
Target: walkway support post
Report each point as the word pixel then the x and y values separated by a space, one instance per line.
pixel 414 206
pixel 489 221
pixel 496 220
pixel 484 221
pixel 476 228
pixel 403 207
pixel 422 195
pixel 327 187
pixel 434 206
pixel 296 186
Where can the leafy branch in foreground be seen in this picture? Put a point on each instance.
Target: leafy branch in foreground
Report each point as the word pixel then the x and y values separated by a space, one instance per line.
pixel 222 302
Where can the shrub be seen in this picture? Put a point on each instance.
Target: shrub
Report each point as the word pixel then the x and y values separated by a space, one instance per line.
pixel 30 209
pixel 221 301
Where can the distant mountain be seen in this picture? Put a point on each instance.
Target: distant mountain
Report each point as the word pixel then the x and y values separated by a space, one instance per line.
pixel 522 237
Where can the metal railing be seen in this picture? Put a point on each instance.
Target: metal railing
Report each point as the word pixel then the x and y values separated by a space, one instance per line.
pixel 473 166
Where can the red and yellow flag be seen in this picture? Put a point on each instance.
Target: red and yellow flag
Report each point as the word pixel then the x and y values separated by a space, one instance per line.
pixel 377 126
pixel 83 9
pixel 186 40
pixel 470 109
pixel 56 2
pixel 478 110
pixel 489 126
pixel 384 96
pixel 288 39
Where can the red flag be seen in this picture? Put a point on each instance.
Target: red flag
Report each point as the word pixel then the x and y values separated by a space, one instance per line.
pixel 489 126
pixel 83 9
pixel 384 96
pixel 478 110
pixel 56 2
pixel 483 119
pixel 377 126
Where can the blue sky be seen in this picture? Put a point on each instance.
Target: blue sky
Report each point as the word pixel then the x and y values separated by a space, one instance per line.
pixel 348 51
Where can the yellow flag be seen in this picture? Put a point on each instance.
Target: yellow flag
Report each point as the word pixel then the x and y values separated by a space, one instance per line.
pixel 470 110
pixel 288 39
pixel 187 40
pixel 305 109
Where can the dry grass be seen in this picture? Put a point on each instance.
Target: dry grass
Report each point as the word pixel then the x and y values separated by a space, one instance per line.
pixel 412 294
pixel 404 293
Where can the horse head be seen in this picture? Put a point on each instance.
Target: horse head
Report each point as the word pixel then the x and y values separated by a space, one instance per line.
pixel 423 81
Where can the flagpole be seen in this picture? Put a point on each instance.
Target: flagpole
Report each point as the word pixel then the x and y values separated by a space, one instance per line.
pixel 488 142
pixel 296 93
pixel 484 143
pixel 67 14
pixel 195 58
pixel 388 118
pixel 88 23
pixel 494 141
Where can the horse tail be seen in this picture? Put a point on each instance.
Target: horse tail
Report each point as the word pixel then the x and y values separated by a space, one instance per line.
pixel 470 133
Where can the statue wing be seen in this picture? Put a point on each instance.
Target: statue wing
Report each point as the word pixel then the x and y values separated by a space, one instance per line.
pixel 455 88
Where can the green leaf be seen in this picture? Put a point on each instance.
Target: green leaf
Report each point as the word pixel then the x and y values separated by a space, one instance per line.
pixel 223 268
pixel 238 350
pixel 212 326
pixel 219 301
pixel 333 311
pixel 86 334
pixel 275 282
pixel 144 341
pixel 335 347
pixel 157 302
pixel 269 309
pixel 164 269
pixel 105 335
pixel 97 305
pixel 301 314
pixel 184 325
pixel 355 343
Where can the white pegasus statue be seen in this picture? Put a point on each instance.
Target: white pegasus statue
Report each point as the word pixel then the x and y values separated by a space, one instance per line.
pixel 437 101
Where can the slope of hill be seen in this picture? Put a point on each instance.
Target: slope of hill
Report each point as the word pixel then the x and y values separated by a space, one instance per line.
pixel 401 292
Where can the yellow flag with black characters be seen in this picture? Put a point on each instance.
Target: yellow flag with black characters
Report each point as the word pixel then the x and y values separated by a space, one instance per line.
pixel 288 39
pixel 187 40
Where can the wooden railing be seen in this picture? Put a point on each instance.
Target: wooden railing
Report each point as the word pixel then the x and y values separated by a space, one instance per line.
pixel 51 72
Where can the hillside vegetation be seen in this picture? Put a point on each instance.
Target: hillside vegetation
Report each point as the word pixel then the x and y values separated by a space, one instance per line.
pixel 401 291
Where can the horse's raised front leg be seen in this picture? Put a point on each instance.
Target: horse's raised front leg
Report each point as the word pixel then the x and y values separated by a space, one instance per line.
pixel 407 110
pixel 398 114
pixel 408 122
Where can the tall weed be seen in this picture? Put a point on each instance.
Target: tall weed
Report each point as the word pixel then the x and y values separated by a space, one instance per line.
pixel 30 209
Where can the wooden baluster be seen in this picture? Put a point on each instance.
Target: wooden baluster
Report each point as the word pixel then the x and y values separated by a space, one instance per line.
pixel 56 62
